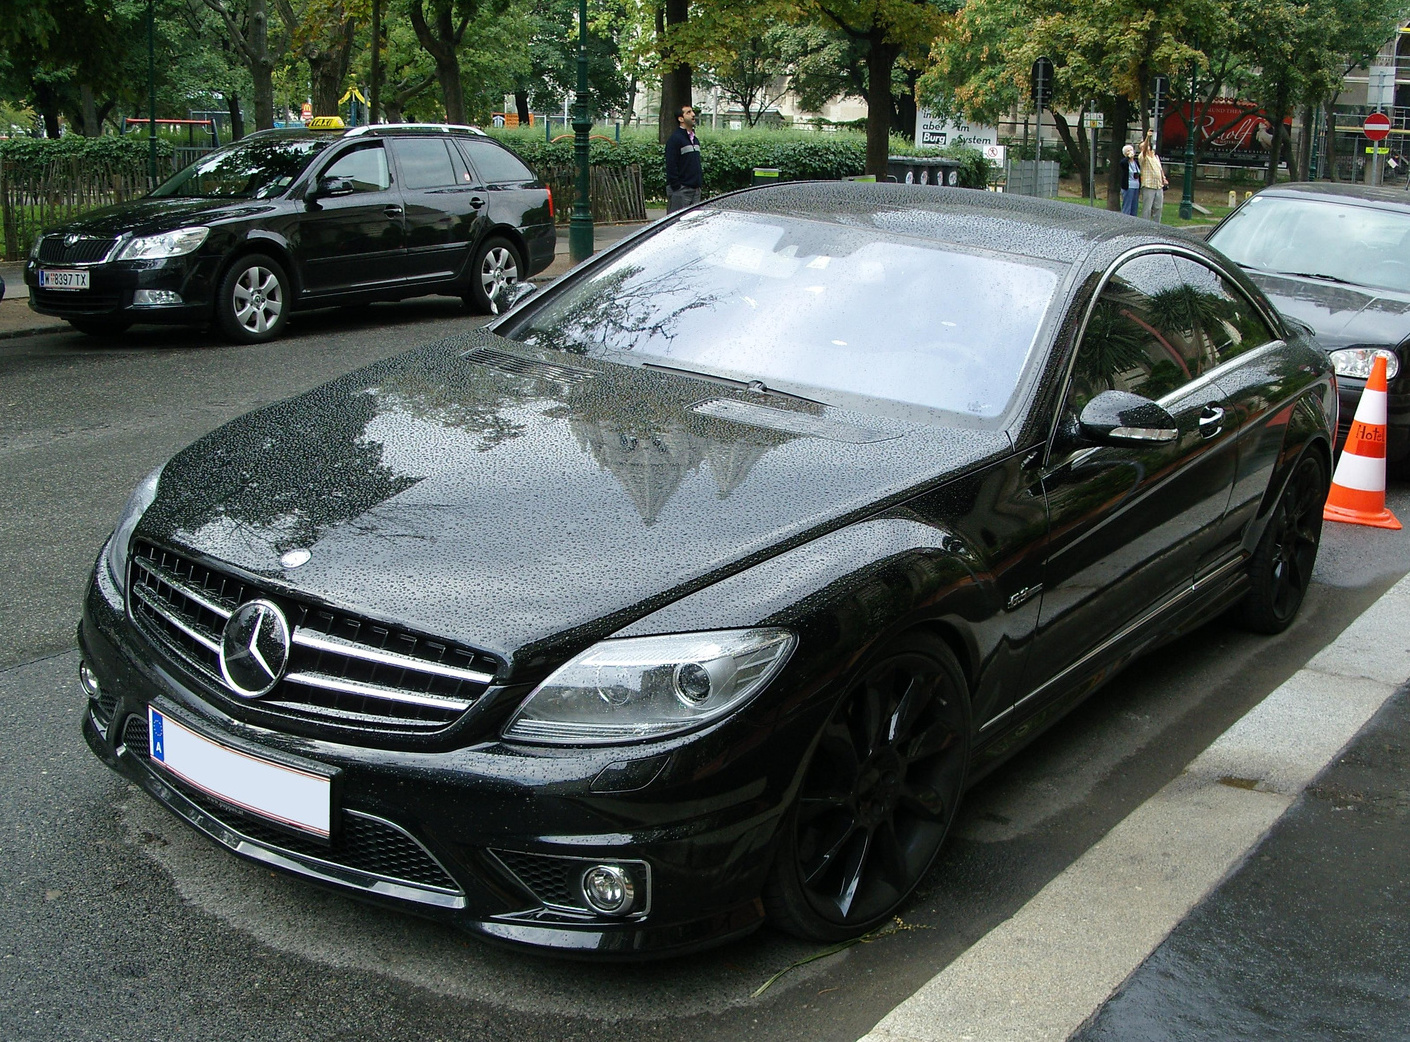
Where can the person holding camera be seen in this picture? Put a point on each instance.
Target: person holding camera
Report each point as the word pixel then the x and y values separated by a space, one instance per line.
pixel 1151 203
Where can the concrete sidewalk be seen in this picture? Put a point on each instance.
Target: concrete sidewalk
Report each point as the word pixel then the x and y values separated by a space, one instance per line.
pixel 16 318
pixel 1238 857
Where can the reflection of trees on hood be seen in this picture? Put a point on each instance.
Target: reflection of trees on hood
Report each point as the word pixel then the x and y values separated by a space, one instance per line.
pixel 285 474
pixel 471 398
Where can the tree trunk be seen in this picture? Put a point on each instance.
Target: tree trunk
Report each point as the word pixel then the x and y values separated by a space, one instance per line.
pixel 237 117
pixel 903 106
pixel 1275 147
pixel 375 99
pixel 328 65
pixel 1077 149
pixel 881 63
pixel 442 46
pixel 1119 111
pixel 48 106
pixel 1304 144
pixel 88 109
pixel 675 77
pixel 521 106
pixel 1329 163
pixel 261 65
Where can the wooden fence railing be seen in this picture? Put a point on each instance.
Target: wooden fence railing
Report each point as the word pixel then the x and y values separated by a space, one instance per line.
pixel 617 194
pixel 30 202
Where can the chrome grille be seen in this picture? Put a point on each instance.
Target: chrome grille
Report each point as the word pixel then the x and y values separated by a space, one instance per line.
pixel 365 843
pixel 87 250
pixel 342 669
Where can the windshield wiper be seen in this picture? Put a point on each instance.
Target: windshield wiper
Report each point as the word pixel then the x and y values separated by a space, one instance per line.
pixel 756 386
pixel 1315 275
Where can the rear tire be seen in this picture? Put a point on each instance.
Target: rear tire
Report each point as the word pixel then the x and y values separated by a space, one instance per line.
pixel 878 796
pixel 496 264
pixel 100 326
pixel 1281 568
pixel 254 300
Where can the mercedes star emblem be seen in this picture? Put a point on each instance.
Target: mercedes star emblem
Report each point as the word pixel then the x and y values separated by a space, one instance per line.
pixel 294 558
pixel 254 648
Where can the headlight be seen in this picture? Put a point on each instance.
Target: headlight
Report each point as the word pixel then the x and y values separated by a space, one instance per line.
pixel 1357 361
pixel 168 244
pixel 646 687
pixel 137 505
pixel 34 249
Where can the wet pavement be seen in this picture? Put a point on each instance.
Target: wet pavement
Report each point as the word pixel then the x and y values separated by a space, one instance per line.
pixel 1310 938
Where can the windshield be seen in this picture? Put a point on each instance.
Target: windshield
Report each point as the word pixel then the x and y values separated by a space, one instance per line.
pixel 256 169
pixel 1339 241
pixel 812 303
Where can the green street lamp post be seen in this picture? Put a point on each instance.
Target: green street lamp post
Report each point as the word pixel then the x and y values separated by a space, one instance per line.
pixel 151 95
pixel 580 227
pixel 1187 200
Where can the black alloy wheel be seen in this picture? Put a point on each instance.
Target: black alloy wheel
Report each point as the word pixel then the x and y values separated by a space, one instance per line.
pixel 254 300
pixel 1280 570
pixel 100 326
pixel 878 796
pixel 496 266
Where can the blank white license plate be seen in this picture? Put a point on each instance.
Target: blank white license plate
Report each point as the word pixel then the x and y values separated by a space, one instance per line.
pixel 300 799
pixel 51 279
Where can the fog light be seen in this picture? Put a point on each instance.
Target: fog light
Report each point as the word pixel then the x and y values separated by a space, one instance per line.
pixel 88 680
pixel 155 298
pixel 608 889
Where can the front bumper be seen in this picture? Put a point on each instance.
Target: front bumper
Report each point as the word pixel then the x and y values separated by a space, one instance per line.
pixel 489 837
pixel 113 284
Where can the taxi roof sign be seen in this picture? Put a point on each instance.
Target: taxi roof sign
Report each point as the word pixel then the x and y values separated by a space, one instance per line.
pixel 325 123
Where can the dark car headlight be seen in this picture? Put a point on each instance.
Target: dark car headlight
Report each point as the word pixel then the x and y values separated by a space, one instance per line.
pixel 167 244
pixel 1357 361
pixel 645 687
pixel 132 512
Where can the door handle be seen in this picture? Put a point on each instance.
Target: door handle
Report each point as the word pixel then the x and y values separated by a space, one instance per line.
pixel 476 201
pixel 1211 421
pixel 392 212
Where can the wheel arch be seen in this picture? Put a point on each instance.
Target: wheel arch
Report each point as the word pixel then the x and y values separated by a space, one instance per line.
pixel 272 246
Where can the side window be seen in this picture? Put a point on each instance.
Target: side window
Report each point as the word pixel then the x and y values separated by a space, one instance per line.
pixel 424 163
pixel 494 164
pixel 1139 337
pixel 1228 323
pixel 365 167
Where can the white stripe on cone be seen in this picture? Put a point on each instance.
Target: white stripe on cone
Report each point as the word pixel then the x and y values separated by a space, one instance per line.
pixel 1371 409
pixel 1362 473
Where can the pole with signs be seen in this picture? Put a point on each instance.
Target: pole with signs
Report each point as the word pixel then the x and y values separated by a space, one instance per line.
pixel 1187 197
pixel 1160 87
pixel 1377 129
pixel 1094 122
pixel 1042 95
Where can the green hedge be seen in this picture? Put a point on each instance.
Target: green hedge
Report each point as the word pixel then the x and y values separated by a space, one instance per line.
pixel 128 154
pixel 729 157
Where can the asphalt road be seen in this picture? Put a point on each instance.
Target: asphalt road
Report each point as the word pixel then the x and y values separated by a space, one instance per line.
pixel 117 923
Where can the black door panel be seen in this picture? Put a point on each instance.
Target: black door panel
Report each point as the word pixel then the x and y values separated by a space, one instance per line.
pixel 350 241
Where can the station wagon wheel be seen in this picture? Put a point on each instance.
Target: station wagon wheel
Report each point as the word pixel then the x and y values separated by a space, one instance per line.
pixel 878 796
pixel 253 304
pixel 1280 570
pixel 496 265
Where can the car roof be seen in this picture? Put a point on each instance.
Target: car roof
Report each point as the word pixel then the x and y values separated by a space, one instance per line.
pixel 1044 228
pixel 369 130
pixel 1337 192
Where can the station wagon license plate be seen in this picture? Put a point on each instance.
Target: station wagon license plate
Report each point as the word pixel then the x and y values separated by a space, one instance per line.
pixel 295 798
pixel 54 279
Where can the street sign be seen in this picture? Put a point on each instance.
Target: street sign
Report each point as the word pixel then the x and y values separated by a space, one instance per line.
pixel 1096 120
pixel 1377 126
pixel 1380 86
pixel 1377 150
pixel 995 154
pixel 1042 83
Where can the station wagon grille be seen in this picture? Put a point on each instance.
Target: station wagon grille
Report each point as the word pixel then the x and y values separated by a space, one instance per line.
pixel 342 669
pixel 53 249
pixel 79 302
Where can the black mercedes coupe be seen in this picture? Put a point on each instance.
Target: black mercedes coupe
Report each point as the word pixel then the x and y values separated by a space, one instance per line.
pixel 696 589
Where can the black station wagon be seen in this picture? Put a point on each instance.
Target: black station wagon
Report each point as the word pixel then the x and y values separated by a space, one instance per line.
pixel 697 588
pixel 290 219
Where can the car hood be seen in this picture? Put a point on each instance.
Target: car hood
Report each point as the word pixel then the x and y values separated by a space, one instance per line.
pixel 1339 314
pixel 529 502
pixel 150 216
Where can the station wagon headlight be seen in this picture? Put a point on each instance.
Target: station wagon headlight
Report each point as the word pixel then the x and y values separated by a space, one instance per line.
pixel 645 687
pixel 132 512
pixel 167 244
pixel 1357 361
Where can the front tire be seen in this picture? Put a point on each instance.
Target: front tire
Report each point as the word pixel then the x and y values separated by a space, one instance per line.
pixel 496 265
pixel 878 796
pixel 1280 570
pixel 254 300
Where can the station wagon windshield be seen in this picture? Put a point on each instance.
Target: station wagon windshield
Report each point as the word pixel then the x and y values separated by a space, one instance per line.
pixel 249 170
pixel 813 303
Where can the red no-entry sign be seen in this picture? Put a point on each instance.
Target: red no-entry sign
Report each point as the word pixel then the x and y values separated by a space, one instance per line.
pixel 1377 126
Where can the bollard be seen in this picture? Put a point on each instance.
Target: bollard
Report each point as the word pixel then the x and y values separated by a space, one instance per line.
pixel 1248 196
pixel 1233 198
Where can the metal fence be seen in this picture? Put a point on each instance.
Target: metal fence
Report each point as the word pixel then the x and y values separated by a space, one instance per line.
pixel 32 201
pixel 617 194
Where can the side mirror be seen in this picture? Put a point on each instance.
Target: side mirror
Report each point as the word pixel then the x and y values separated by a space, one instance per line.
pixel 329 186
pixel 1122 418
pixel 509 294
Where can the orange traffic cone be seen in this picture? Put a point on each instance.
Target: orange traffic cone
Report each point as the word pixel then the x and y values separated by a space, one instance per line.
pixel 1358 493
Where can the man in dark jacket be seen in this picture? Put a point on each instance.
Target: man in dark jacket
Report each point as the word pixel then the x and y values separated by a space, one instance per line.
pixel 683 173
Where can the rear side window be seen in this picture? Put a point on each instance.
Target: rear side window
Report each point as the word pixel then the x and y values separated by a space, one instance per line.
pixel 1140 337
pixel 424 163
pixel 365 167
pixel 1228 323
pixel 496 165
